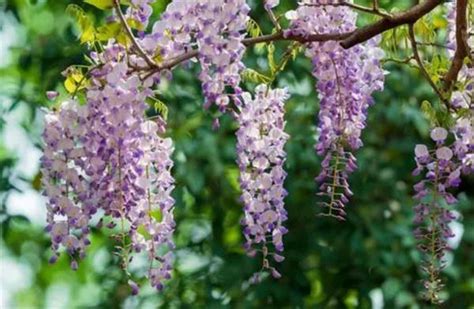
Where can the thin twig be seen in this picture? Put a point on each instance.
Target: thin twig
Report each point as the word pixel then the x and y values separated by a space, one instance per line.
pixel 409 16
pixel 373 10
pixel 399 61
pixel 432 44
pixel 273 19
pixel 140 50
pixel 421 66
pixel 375 5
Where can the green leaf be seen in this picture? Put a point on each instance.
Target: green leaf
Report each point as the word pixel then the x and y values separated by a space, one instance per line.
pixel 429 111
pixel 253 76
pixel 75 81
pixel 70 85
pixel 159 106
pixel 85 23
pixel 101 4
pixel 271 58
pixel 253 28
pixel 106 32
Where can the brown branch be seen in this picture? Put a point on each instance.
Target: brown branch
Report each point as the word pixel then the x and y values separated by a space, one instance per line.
pixel 278 36
pixel 409 16
pixel 462 48
pixel 421 66
pixel 347 39
pixel 140 50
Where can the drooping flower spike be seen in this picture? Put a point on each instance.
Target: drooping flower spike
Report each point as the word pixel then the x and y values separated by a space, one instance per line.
pixel 441 170
pixel 346 79
pixel 105 161
pixel 260 155
pixel 215 28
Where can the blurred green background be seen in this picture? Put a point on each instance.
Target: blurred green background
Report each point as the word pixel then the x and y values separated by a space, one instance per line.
pixel 370 261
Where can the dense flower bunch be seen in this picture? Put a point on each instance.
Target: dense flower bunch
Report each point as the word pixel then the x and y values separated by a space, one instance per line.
pixel 260 150
pixel 116 110
pixel 221 49
pixel 64 182
pixel 105 159
pixel 346 80
pixel 442 171
pixel 216 29
pixel 158 183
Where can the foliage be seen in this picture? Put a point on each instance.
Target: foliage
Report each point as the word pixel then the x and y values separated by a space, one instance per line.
pixel 327 265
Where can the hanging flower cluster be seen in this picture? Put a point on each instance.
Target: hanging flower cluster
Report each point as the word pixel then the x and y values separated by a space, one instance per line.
pixel 260 155
pixel 104 158
pixel 64 181
pixel 158 183
pixel 442 170
pixel 216 29
pixel 346 79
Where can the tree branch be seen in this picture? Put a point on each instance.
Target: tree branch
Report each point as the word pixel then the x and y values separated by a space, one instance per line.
pixel 278 36
pixel 140 50
pixel 347 39
pixel 410 16
pixel 462 48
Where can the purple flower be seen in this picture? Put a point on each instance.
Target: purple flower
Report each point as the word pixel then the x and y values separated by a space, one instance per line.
pixel 260 156
pixel 346 80
pixel 442 171
pixel 105 156
pixel 52 95
pixel 439 134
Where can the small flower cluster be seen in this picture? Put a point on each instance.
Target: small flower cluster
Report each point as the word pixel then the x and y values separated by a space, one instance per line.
pixel 442 171
pixel 260 150
pixel 104 159
pixel 216 29
pixel 346 80
pixel 139 11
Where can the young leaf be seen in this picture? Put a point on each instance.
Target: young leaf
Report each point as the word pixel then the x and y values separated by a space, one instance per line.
pixel 159 106
pixel 253 28
pixel 101 4
pixel 85 23
pixel 271 58
pixel 75 81
pixel 253 76
pixel 108 31
pixel 429 111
